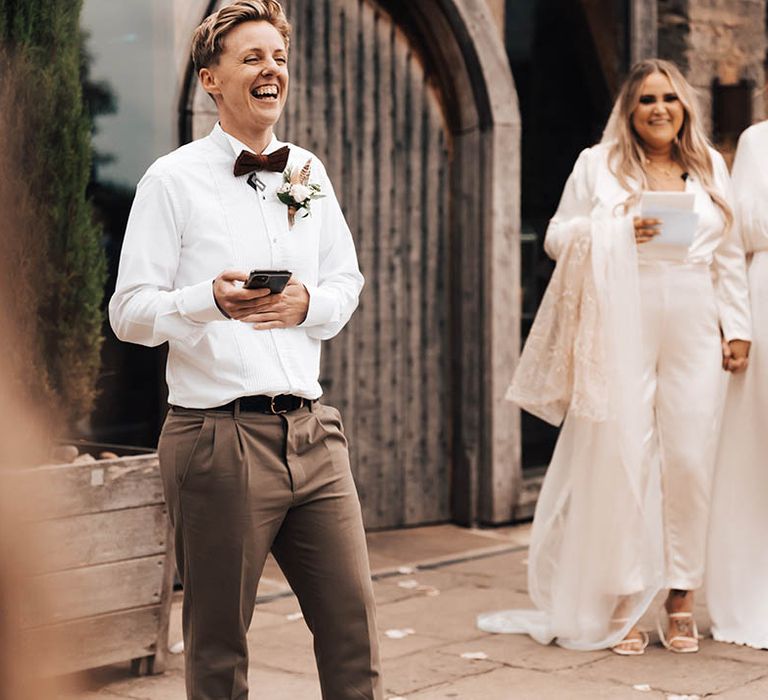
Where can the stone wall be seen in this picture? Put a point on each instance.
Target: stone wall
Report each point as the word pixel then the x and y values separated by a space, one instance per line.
pixel 717 39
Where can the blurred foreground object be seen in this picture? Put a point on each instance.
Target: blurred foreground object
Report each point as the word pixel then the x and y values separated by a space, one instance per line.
pixel 23 440
pixel 54 249
pixel 85 577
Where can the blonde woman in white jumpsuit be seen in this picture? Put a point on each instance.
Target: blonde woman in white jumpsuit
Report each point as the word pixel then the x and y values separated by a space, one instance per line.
pixel 624 507
pixel 737 566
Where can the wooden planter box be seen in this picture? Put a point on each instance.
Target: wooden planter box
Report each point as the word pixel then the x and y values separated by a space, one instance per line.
pixel 107 567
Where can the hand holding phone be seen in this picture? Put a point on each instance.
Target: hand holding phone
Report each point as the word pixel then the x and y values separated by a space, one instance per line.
pixel 284 310
pixel 274 280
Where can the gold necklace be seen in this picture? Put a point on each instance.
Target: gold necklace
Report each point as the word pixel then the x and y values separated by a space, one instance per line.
pixel 668 172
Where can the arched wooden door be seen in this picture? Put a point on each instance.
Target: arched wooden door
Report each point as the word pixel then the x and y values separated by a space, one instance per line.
pixel 410 149
pixel 360 99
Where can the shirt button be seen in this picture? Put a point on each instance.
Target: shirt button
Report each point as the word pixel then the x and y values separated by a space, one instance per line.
pixel 274 240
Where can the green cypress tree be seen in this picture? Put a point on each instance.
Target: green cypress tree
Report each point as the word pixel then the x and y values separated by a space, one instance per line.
pixel 65 274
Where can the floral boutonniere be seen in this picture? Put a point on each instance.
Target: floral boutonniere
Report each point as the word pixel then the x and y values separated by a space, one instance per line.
pixel 297 192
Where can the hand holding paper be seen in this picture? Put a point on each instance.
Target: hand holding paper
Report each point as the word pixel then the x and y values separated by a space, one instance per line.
pixel 677 221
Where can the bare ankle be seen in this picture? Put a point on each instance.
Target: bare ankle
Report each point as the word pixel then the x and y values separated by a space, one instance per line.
pixel 679 600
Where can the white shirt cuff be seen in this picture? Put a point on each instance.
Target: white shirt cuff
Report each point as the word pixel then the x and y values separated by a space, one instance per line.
pixel 735 331
pixel 196 303
pixel 322 307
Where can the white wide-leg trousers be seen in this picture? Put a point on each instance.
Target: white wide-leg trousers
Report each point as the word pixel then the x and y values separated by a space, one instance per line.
pixel 683 386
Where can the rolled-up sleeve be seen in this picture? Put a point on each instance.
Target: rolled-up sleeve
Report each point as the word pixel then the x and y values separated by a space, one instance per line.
pixel 334 298
pixel 146 308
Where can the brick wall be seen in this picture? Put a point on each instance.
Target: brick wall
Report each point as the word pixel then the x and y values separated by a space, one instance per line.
pixel 710 39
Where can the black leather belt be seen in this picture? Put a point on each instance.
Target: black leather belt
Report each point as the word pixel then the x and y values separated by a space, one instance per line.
pixel 283 403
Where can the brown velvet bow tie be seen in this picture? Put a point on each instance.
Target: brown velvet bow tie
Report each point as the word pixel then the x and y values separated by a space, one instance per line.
pixel 247 162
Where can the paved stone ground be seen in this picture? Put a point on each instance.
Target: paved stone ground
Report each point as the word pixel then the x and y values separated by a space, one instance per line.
pixel 457 574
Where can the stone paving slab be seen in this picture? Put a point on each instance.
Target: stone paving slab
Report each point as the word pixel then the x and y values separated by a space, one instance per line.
pixel 679 674
pixel 756 690
pixel 524 684
pixel 410 674
pixel 520 651
pixel 428 664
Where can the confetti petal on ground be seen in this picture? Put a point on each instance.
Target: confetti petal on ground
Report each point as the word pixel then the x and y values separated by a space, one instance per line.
pixel 408 583
pixel 294 616
pixel 683 697
pixel 396 697
pixel 643 687
pixel 400 634
pixel 406 570
pixel 428 590
pixel 177 648
pixel 474 655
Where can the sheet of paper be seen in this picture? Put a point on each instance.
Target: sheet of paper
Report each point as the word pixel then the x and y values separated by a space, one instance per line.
pixel 667 200
pixel 678 220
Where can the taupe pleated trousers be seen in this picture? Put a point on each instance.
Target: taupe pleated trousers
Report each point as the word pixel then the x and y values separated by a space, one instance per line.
pixel 239 485
pixel 684 386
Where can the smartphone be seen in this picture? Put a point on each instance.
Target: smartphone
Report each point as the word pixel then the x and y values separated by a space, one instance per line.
pixel 274 280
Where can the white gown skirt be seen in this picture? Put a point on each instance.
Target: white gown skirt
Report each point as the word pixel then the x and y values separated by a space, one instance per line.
pixel 737 567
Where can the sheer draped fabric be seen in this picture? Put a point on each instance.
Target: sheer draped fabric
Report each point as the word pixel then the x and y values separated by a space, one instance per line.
pixel 562 365
pixel 596 556
pixel 737 568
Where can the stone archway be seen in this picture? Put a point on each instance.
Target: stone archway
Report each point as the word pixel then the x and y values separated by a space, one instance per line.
pixel 413 109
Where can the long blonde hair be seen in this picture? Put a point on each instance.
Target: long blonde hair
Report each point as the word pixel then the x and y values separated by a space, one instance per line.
pixel 690 149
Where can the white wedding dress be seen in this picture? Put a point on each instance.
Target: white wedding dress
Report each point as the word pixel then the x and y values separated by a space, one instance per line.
pixel 737 568
pixel 596 543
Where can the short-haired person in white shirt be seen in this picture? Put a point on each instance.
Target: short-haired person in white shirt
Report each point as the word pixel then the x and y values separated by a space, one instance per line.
pixel 251 462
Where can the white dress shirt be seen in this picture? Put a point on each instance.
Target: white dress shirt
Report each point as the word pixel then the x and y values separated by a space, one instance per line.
pixel 191 220
pixel 592 187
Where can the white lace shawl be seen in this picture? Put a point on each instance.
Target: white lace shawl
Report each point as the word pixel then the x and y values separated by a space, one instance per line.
pixel 562 366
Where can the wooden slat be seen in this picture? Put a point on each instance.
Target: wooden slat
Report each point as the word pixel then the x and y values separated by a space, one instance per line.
pixel 466 259
pixel 97 641
pixel 351 343
pixel 398 299
pixel 369 392
pixel 166 596
pixel 438 415
pixel 329 138
pixel 433 344
pixel 99 538
pixel 73 489
pixel 416 498
pixel 77 593
pixel 389 493
pixel 283 127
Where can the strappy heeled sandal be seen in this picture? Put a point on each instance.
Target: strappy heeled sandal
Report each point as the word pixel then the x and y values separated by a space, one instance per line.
pixel 693 639
pixel 621 648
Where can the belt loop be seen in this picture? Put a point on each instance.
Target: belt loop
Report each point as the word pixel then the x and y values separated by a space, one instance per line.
pixel 236 412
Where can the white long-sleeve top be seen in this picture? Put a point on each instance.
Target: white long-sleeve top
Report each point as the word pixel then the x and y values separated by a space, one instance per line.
pixel 191 219
pixel 592 186
pixel 750 187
